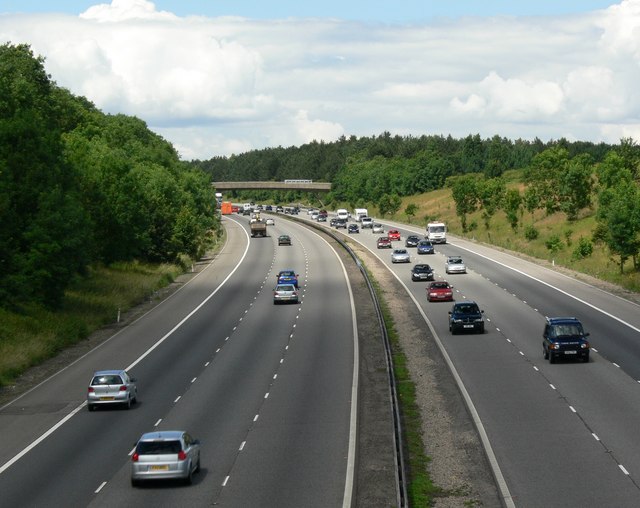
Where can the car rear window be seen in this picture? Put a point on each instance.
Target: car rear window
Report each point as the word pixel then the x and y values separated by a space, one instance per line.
pixel 158 447
pixel 106 380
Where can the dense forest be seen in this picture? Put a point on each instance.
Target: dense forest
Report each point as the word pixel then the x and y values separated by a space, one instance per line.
pixel 364 169
pixel 559 176
pixel 79 187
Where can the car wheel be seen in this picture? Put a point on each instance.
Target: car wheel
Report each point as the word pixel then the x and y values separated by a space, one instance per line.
pixel 198 465
pixel 127 405
pixel 135 483
pixel 189 479
pixel 586 358
pixel 91 407
pixel 545 353
pixel 552 358
pixel 482 329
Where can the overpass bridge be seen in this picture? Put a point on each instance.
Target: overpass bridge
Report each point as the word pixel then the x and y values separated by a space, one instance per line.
pixel 303 185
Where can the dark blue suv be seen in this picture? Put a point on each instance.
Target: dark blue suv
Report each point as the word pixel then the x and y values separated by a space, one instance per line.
pixel 564 337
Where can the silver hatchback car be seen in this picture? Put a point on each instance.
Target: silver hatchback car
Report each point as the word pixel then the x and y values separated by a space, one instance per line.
pixel 165 455
pixel 108 387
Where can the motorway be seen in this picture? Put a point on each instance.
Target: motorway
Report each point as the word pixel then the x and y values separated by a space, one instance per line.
pixel 558 435
pixel 269 390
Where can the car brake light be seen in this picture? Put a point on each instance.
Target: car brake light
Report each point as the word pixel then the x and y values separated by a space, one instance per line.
pixel 123 388
pixel 91 390
pixel 182 455
pixel 135 457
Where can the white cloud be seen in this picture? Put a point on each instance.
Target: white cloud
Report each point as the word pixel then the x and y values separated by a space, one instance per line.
pixel 216 86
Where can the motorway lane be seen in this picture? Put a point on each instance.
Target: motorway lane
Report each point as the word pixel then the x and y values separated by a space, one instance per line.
pixel 563 434
pixel 210 373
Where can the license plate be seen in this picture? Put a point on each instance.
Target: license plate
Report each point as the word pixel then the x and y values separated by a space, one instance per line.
pixel 160 468
pixel 106 398
pixel 467 326
pixel 570 352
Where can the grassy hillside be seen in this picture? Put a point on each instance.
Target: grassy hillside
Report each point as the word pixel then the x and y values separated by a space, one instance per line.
pixel 440 205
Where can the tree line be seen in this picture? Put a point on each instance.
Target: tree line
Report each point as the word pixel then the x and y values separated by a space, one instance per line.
pixel 79 187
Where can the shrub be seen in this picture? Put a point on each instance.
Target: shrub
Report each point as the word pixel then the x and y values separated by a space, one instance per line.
pixel 531 233
pixel 554 243
pixel 584 249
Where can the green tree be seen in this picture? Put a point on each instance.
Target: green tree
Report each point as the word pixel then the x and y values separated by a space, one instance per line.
pixel 411 210
pixel 491 192
pixel 619 221
pixel 511 204
pixel 44 237
pixel 389 204
pixel 464 190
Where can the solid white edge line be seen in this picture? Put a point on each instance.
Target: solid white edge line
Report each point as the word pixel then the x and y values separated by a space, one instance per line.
pixel 39 440
pixel 97 491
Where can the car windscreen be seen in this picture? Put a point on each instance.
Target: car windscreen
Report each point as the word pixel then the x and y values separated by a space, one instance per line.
pixel 467 309
pixel 158 447
pixel 106 380
pixel 568 330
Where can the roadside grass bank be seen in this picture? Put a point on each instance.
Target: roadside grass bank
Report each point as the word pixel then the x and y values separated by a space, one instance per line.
pixel 420 488
pixel 30 335
pixel 552 239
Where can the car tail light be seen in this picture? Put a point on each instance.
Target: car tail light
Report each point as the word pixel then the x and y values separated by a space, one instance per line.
pixel 91 390
pixel 182 455
pixel 123 388
pixel 135 457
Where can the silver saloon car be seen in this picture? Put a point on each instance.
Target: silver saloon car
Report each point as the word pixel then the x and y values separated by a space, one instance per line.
pixel 455 264
pixel 165 455
pixel 285 293
pixel 400 256
pixel 108 387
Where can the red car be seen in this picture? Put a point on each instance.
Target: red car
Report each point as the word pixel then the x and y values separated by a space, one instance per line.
pixel 235 209
pixel 384 243
pixel 440 291
pixel 394 235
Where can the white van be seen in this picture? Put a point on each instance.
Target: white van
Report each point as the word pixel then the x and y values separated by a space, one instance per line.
pixel 341 213
pixel 359 213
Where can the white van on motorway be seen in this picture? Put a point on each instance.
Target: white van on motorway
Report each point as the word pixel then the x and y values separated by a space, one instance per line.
pixel 341 213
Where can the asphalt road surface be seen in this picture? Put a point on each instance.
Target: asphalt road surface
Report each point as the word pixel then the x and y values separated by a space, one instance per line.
pixel 269 390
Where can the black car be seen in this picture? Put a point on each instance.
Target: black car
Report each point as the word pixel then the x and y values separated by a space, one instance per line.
pixel 421 272
pixel 353 228
pixel 564 337
pixel 412 241
pixel 466 316
pixel 284 240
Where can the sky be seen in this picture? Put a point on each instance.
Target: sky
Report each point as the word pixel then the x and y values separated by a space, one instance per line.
pixel 223 77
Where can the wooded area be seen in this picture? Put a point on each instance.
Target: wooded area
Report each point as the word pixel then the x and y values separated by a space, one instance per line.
pixel 79 187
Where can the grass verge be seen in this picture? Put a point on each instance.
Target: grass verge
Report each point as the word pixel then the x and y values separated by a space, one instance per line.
pixel 420 488
pixel 34 334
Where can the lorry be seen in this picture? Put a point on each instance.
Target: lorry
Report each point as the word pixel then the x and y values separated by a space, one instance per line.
pixel 358 213
pixel 226 208
pixel 258 227
pixel 437 232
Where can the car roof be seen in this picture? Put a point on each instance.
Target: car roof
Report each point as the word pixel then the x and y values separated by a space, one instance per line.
pixel 162 435
pixel 421 265
pixel 465 303
pixel 400 251
pixel 556 320
pixel 454 257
